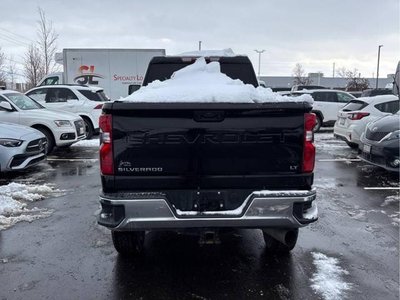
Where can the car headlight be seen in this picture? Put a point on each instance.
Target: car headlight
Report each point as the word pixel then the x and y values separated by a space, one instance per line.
pixel 10 142
pixel 392 136
pixel 63 123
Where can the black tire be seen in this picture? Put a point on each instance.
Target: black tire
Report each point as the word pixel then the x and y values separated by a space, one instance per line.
pixel 128 243
pixel 49 137
pixel 352 145
pixel 274 246
pixel 318 123
pixel 88 127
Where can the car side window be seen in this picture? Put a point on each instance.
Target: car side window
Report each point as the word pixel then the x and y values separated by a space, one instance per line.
pixel 70 95
pixel 50 81
pixel 344 98
pixel 388 107
pixel 38 95
pixel 59 95
pixel 324 96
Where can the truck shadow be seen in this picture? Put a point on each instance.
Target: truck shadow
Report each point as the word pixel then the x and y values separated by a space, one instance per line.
pixel 176 267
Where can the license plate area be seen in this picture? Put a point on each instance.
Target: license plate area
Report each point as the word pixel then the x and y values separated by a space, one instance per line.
pixel 367 149
pixel 209 201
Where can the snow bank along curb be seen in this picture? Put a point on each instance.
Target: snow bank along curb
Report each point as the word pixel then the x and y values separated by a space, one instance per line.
pixel 202 82
pixel 328 279
pixel 13 203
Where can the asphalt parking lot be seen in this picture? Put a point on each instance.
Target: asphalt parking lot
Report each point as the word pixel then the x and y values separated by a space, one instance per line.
pixel 66 255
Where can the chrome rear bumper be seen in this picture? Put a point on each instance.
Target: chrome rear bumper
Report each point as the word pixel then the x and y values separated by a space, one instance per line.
pixel 261 209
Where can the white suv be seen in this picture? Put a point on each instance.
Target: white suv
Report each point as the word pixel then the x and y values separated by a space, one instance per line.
pixel 61 129
pixel 326 105
pixel 86 101
pixel 354 117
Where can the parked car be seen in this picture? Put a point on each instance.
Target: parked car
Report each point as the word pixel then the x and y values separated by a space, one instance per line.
pixel 327 103
pixel 20 147
pixel 380 143
pixel 376 92
pixel 86 101
pixel 60 128
pixel 299 87
pixel 354 116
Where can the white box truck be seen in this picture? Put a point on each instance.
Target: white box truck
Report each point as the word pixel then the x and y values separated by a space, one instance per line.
pixel 115 70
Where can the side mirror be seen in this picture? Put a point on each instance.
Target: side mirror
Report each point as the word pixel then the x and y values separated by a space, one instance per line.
pixel 133 88
pixel 6 106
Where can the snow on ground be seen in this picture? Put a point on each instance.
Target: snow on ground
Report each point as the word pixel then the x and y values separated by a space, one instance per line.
pixel 391 199
pixel 325 183
pixel 328 279
pixel 204 82
pixel 13 203
pixel 94 143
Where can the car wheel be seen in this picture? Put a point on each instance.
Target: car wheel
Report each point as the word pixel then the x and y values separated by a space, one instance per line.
pixel 318 123
pixel 128 243
pixel 49 137
pixel 89 128
pixel 274 246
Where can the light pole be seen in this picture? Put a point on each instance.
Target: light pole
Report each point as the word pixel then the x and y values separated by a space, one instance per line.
pixel 377 68
pixel 259 60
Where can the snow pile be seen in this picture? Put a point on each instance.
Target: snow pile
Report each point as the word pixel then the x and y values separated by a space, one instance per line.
pixel 94 143
pixel 328 280
pixel 202 82
pixel 13 203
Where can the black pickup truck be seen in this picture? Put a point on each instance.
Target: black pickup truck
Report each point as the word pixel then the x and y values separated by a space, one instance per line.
pixel 206 166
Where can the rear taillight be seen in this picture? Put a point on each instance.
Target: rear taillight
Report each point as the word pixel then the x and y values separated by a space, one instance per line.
pixel 357 115
pixel 98 106
pixel 309 148
pixel 106 151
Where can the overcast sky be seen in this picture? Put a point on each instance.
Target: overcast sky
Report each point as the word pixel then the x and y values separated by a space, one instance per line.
pixel 315 33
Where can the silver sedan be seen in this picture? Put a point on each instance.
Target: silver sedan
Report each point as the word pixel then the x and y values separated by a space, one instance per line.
pixel 20 147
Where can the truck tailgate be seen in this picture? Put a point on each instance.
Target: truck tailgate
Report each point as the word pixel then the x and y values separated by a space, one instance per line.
pixel 208 145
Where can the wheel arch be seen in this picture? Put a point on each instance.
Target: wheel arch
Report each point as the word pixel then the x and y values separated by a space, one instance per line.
pixel 319 114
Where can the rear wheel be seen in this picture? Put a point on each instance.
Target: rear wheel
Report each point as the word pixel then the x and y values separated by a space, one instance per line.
pixel 274 246
pixel 128 243
pixel 49 137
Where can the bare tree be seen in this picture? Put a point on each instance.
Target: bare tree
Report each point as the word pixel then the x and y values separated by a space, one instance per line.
pixel 33 66
pixel 354 80
pixel 341 72
pixel 3 75
pixel 300 76
pixel 47 41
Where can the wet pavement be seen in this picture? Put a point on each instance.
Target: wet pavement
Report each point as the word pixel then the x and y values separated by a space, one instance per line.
pixel 68 256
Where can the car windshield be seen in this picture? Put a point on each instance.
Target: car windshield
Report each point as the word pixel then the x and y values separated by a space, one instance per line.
pixel 23 102
pixel 95 95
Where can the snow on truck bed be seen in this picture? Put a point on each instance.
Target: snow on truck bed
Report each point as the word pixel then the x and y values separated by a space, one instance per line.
pixel 204 82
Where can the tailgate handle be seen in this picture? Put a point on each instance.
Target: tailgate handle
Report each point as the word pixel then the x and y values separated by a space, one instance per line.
pixel 209 116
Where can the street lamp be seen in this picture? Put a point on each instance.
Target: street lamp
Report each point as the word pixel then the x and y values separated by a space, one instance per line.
pixel 377 69
pixel 259 60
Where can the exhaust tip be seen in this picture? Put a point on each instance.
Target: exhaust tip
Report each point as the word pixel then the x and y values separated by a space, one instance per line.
pixel 291 238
